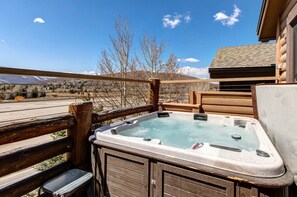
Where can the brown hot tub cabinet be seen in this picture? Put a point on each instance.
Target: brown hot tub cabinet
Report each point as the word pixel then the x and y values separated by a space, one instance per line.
pixel 125 171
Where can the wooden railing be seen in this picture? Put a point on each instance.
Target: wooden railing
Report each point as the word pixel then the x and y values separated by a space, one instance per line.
pixel 16 160
pixel 219 80
pixel 78 123
pixel 29 72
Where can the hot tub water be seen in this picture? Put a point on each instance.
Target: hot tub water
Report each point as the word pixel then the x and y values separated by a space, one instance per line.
pixel 184 132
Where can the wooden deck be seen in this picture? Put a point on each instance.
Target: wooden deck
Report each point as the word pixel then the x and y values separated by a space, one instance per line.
pixel 16 112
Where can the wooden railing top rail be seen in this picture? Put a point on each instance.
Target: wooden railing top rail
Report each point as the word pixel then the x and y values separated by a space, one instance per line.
pixel 35 128
pixel 29 72
pixel 219 80
pixel 223 93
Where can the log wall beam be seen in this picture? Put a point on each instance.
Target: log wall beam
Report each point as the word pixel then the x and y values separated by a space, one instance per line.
pixel 30 129
pixel 21 159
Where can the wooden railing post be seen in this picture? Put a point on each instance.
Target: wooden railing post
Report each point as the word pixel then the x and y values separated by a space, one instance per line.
pixel 192 97
pixel 81 152
pixel 153 93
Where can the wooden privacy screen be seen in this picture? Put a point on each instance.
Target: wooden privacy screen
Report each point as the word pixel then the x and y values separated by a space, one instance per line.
pixel 228 103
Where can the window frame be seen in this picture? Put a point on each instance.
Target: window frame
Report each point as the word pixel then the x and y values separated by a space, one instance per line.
pixel 291 67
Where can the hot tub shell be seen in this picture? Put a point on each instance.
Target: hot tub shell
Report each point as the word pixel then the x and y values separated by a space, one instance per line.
pixel 234 167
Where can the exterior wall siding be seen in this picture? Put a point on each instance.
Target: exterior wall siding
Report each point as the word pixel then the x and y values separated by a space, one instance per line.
pixel 282 46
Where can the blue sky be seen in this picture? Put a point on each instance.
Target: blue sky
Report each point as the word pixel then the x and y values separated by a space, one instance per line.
pixel 68 35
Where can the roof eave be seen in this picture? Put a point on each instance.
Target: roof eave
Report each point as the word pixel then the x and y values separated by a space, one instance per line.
pixel 264 2
pixel 268 19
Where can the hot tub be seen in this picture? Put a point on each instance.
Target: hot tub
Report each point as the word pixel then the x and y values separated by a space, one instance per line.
pixel 235 144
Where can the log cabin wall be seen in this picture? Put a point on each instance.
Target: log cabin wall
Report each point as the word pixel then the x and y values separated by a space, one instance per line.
pixel 282 40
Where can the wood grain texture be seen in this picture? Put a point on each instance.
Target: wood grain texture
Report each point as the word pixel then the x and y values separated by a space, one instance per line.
pixel 219 80
pixel 283 49
pixel 81 152
pixel 254 100
pixel 112 114
pixel 291 53
pixel 283 57
pixel 278 182
pixel 283 41
pixel 29 184
pixel 192 97
pixel 173 180
pixel 20 159
pixel 214 93
pixel 17 71
pixel 153 93
pixel 231 114
pixel 243 190
pixel 228 102
pixel 283 76
pixel 228 109
pixel 283 66
pixel 182 107
pixel 288 7
pixel 125 174
pixel 25 130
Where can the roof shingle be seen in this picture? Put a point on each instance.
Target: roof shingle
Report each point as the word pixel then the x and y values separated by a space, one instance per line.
pixel 255 55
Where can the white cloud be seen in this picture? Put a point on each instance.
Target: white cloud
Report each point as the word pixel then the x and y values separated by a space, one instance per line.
pixel 3 41
pixel 191 60
pixel 220 16
pixel 195 72
pixel 38 20
pixel 187 18
pixel 228 20
pixel 173 21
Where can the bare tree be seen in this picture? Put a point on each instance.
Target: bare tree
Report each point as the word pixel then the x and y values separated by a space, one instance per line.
pixel 151 59
pixel 172 66
pixel 171 70
pixel 117 59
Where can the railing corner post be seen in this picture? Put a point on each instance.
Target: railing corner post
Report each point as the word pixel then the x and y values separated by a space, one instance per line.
pixel 153 93
pixel 81 151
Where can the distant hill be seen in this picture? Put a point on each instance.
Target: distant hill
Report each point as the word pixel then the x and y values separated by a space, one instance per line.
pixel 37 80
pixel 19 79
